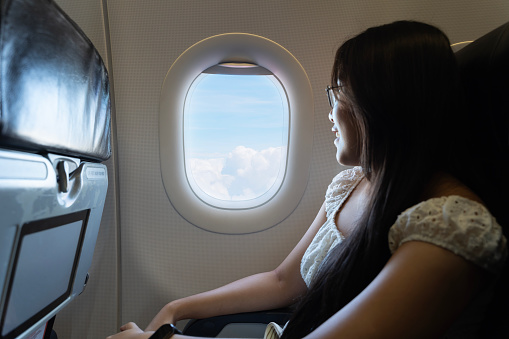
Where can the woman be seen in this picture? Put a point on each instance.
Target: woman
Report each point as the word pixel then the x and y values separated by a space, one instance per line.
pixel 401 247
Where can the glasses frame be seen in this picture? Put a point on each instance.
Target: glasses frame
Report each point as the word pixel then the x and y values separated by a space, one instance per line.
pixel 330 94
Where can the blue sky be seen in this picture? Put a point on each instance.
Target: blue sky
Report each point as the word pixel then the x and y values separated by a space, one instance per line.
pixel 226 111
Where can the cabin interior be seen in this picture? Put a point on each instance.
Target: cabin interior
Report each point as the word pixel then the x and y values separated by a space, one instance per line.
pixel 147 251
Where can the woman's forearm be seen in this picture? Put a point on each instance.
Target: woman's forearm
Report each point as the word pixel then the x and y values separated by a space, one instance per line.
pixel 257 292
pixel 269 290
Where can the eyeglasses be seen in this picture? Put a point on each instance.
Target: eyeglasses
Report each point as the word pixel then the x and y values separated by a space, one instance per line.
pixel 331 96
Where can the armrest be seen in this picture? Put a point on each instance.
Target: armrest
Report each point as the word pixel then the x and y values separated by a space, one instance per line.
pixel 211 327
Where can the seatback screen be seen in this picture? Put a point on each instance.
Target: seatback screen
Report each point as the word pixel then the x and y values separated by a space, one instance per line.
pixel 43 270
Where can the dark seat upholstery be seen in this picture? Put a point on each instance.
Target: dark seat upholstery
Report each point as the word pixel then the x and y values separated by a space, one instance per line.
pixel 484 68
pixel 54 86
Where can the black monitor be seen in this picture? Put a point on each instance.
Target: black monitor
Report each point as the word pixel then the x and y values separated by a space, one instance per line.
pixel 47 236
pixel 47 254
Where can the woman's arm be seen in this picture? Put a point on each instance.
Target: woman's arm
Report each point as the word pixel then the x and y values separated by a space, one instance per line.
pixel 418 294
pixel 263 291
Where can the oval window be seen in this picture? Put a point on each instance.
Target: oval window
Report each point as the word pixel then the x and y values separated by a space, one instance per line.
pixel 235 135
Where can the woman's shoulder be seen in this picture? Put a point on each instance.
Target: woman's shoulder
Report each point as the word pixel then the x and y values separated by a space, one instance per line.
pixel 453 217
pixel 344 179
pixel 341 187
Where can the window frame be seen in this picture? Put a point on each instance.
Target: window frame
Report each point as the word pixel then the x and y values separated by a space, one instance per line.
pixel 224 48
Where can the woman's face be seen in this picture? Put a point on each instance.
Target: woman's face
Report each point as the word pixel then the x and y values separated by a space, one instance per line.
pixel 347 142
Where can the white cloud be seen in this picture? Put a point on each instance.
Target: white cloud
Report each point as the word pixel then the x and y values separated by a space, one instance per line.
pixel 244 174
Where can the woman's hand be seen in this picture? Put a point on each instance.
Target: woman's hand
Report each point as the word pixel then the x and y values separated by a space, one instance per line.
pixel 131 331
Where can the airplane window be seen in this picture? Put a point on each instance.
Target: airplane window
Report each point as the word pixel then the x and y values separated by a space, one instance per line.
pixel 235 135
pixel 236 126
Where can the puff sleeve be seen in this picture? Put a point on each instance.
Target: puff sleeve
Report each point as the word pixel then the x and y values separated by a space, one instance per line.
pixel 457 224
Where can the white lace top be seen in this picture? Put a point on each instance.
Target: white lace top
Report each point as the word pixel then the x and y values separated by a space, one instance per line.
pixel 455 223
pixel 328 235
pixel 458 224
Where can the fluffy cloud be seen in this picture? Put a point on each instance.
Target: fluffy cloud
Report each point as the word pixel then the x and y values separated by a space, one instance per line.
pixel 244 174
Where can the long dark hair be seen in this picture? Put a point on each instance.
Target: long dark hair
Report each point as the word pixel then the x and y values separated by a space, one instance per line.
pixel 403 82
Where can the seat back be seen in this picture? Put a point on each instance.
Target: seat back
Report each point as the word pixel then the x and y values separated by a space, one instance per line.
pixel 54 132
pixel 484 68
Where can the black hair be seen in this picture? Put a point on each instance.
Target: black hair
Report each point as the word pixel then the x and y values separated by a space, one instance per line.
pixel 403 82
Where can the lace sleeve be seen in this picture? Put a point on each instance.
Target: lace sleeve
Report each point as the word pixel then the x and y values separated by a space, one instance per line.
pixel 341 187
pixel 457 224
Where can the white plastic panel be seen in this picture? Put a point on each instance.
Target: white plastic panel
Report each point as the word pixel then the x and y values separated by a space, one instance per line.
pixel 235 47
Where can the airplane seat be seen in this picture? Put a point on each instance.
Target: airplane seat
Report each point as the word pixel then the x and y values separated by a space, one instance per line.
pixel 54 136
pixel 484 66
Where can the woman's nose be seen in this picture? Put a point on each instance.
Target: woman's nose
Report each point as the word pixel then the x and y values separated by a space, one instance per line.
pixel 330 117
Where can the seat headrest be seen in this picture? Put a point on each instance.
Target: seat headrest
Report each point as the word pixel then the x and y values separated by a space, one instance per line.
pixel 484 68
pixel 54 85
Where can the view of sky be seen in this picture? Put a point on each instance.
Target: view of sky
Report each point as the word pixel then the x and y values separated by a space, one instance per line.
pixel 234 135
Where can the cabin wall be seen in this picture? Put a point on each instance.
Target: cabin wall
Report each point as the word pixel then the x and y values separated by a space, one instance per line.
pixel 94 314
pixel 147 254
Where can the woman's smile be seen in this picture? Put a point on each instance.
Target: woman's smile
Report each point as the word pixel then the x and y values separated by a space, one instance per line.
pixel 338 137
